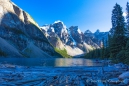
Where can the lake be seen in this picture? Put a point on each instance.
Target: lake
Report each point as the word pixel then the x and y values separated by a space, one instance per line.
pixel 52 62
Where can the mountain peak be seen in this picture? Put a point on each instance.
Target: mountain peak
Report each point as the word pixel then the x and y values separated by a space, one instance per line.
pixel 59 24
pixel 97 31
pixel 58 21
pixel 75 29
pixel 88 31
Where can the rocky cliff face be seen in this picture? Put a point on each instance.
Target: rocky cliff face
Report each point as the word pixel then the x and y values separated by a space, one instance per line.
pixel 101 36
pixel 59 31
pixel 90 39
pixel 18 29
pixel 76 34
pixel 60 37
pixel 85 41
pixel 70 38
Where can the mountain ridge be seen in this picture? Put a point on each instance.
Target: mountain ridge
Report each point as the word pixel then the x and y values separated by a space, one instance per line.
pixel 19 29
pixel 73 37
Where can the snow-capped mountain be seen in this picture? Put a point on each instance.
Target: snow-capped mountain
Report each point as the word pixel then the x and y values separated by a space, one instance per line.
pixel 22 37
pixel 101 36
pixel 60 36
pixel 90 39
pixel 76 34
pixel 59 30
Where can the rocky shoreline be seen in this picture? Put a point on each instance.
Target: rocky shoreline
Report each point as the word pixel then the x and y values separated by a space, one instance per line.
pixel 115 75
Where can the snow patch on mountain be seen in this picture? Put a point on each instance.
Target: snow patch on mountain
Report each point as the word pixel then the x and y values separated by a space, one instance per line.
pixel 79 31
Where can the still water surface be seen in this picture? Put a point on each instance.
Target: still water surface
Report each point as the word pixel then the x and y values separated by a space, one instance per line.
pixel 52 62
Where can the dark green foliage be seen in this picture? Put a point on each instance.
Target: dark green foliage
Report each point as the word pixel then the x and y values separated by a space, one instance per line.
pixel 117 18
pixel 98 53
pixel 2 53
pixel 106 52
pixel 127 44
pixel 93 54
pixel 121 56
pixel 101 53
pixel 117 40
pixel 102 49
pixel 127 17
pixel 127 53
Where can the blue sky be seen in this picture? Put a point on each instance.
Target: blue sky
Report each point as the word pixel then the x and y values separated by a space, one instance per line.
pixel 87 14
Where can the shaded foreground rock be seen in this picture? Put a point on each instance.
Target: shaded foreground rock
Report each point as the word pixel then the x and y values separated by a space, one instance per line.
pixel 124 75
pixel 59 76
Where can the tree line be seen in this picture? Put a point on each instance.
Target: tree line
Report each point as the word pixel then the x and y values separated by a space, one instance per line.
pixel 117 44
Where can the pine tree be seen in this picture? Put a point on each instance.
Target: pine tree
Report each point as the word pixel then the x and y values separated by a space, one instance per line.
pixel 106 50
pixel 117 18
pixel 102 49
pixel 127 12
pixel 97 54
pixel 127 17
pixel 121 55
pixel 117 40
pixel 127 53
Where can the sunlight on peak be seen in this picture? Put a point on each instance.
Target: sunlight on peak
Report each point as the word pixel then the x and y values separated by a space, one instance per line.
pixel 58 21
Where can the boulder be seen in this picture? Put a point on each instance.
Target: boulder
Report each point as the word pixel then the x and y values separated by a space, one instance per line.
pixel 126 81
pixel 124 76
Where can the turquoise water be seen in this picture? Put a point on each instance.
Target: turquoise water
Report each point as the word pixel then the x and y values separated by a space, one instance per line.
pixel 52 62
